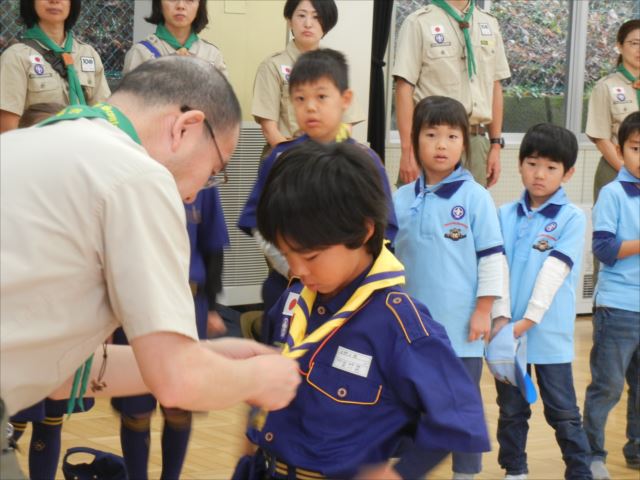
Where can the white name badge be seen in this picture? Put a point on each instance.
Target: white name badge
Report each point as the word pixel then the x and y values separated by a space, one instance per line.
pixel 87 64
pixel 352 362
pixel 484 29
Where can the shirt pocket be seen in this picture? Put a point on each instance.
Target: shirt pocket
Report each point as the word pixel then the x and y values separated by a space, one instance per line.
pixel 442 65
pixel 343 387
pixel 620 110
pixel 88 83
pixel 43 89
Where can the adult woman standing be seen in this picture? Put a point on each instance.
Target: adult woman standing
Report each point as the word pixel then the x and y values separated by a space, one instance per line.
pixel 613 98
pixel 309 21
pixel 178 24
pixel 48 65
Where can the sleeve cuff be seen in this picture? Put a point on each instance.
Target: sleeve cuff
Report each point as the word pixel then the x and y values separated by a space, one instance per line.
pixel 535 312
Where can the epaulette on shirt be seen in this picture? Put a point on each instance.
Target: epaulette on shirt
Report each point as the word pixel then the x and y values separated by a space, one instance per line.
pixel 407 315
pixel 423 10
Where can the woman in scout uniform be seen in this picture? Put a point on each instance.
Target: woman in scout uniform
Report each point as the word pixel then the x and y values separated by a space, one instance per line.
pixel 48 64
pixel 613 98
pixel 309 21
pixel 178 24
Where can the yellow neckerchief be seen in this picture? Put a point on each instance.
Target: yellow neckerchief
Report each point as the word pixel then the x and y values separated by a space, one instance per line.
pixel 387 271
pixel 343 133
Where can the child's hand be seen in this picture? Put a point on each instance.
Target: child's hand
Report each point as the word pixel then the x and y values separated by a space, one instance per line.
pixel 479 325
pixel 498 323
pixel 379 472
pixel 521 326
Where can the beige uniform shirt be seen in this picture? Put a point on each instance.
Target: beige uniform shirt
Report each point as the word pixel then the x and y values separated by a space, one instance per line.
pixel 612 99
pixel 27 78
pixel 200 48
pixel 431 55
pixel 92 237
pixel 271 93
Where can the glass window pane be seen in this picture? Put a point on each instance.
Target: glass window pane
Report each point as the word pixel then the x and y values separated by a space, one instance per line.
pixel 535 36
pixel 605 18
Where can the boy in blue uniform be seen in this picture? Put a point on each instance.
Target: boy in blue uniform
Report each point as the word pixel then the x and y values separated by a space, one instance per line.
pixel 616 322
pixel 543 240
pixel 208 236
pixel 449 239
pixel 319 90
pixel 375 366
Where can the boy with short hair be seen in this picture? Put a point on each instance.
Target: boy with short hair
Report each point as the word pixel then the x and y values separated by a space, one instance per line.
pixel 320 94
pixel 376 368
pixel 616 322
pixel 543 240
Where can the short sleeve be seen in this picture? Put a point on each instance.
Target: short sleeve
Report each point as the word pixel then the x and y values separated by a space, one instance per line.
pixel 606 211
pixel 599 116
pixel 569 246
pixel 485 224
pixel 502 71
pixel 13 81
pixel 267 90
pixel 137 55
pixel 408 61
pixel 146 256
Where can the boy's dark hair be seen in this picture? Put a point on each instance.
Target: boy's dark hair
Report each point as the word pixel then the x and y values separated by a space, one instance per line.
pixel 201 20
pixel 317 196
pixel 436 110
pixel 30 17
pixel 326 9
pixel 625 29
pixel 38 112
pixel 322 63
pixel 629 126
pixel 550 141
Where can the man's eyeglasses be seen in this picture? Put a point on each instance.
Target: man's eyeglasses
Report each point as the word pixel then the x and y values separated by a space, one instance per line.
pixel 222 177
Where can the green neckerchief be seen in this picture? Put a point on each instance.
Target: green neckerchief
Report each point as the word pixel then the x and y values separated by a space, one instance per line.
pixel 117 118
pixel 163 34
pixel 76 95
pixel 634 81
pixel 101 110
pixel 464 26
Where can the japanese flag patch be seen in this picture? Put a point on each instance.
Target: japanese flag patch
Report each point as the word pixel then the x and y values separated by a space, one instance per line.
pixel 437 29
pixel 36 59
pixel 286 71
pixel 290 304
pixel 618 94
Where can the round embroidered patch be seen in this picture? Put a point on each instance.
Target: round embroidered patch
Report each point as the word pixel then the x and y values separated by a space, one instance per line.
pixel 551 227
pixel 457 212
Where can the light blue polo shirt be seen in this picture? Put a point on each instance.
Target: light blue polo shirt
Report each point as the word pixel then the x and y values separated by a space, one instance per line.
pixel 555 229
pixel 443 231
pixel 616 218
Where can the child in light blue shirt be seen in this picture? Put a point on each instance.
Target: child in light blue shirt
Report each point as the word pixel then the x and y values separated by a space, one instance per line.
pixel 449 239
pixel 543 240
pixel 616 322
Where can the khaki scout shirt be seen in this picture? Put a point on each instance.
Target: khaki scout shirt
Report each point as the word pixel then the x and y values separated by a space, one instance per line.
pixel 271 93
pixel 92 237
pixel 200 48
pixel 430 54
pixel 27 78
pixel 612 99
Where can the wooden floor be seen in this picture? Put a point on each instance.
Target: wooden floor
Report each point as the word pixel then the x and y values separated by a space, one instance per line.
pixel 218 437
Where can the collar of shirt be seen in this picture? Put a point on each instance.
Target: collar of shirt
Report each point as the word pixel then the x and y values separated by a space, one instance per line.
pixel 549 209
pixel 629 182
pixel 447 187
pixel 292 51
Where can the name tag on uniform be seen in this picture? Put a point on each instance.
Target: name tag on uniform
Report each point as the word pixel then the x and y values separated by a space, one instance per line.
pixel 87 64
pixel 286 71
pixel 352 362
pixel 484 29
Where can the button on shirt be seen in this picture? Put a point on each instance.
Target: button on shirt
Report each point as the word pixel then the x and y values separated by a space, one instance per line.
pixel 555 229
pixel 443 232
pixel 617 213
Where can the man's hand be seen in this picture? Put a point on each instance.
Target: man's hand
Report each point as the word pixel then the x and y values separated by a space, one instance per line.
pixel 276 380
pixel 215 324
pixel 239 348
pixel 493 165
pixel 409 170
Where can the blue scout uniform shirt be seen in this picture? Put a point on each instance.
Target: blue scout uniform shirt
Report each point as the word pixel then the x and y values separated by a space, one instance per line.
pixel 555 229
pixel 389 367
pixel 443 231
pixel 616 218
pixel 248 220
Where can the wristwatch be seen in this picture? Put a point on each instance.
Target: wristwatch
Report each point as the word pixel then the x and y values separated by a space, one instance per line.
pixel 499 141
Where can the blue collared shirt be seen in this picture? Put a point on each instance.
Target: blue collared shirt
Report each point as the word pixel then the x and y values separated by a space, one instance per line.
pixel 443 232
pixel 341 421
pixel 555 229
pixel 248 220
pixel 616 218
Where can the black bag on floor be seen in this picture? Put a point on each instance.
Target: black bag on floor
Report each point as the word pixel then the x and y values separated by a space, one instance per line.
pixel 105 466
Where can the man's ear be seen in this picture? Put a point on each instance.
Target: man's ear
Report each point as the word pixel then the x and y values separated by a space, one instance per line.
pixel 185 122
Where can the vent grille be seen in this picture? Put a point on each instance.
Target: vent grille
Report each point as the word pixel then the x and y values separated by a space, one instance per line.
pixel 244 264
pixel 587 285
